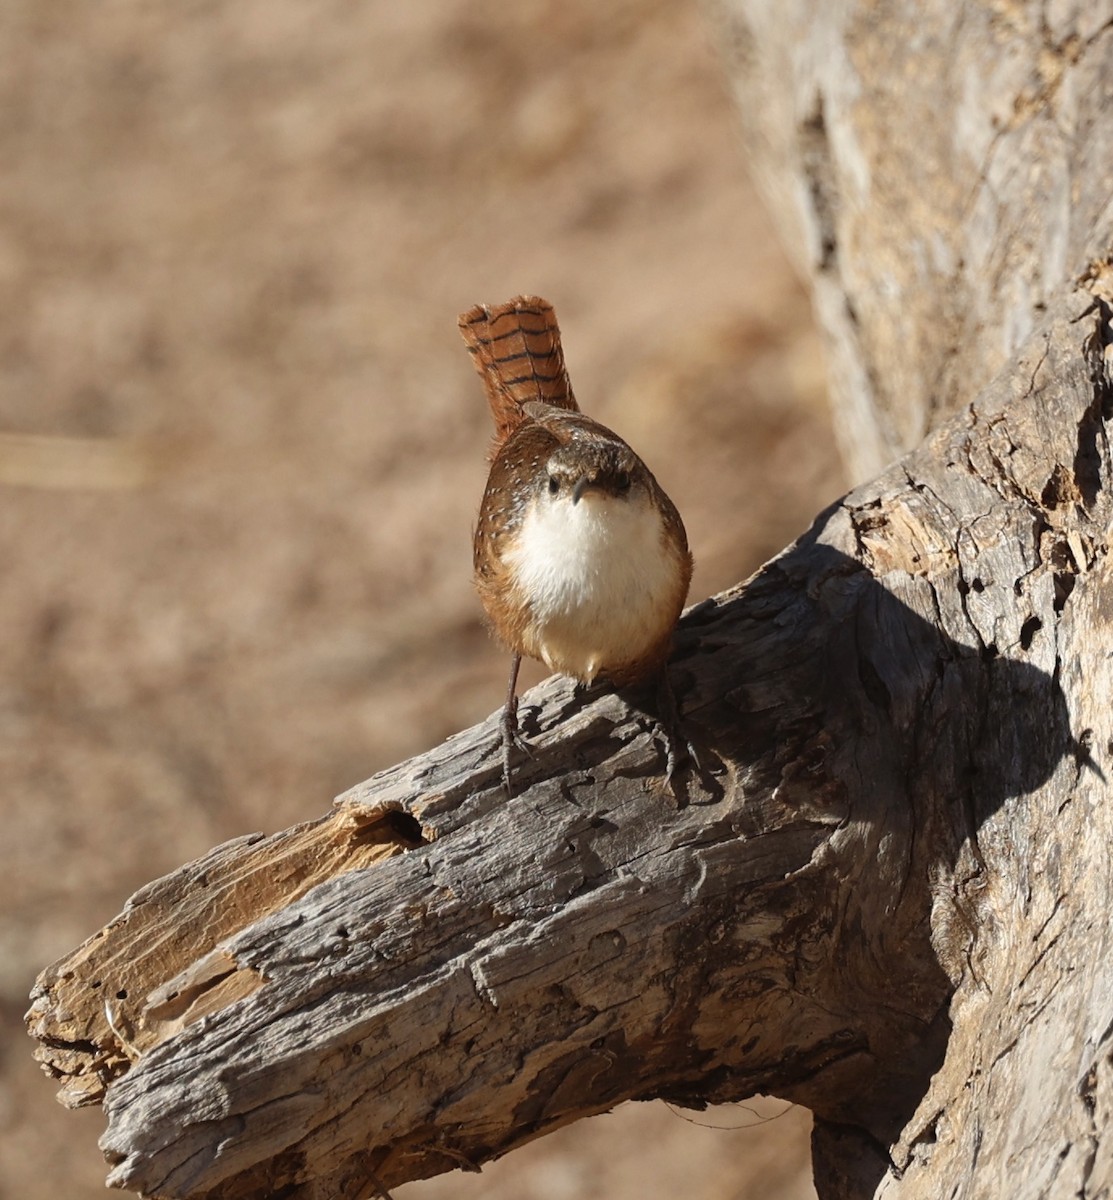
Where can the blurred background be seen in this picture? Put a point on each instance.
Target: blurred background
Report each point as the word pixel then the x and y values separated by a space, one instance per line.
pixel 242 446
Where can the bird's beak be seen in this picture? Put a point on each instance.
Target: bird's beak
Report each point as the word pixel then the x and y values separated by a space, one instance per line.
pixel 582 484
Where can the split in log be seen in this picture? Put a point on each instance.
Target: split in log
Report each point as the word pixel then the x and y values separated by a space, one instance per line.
pixel 888 895
pixel 896 719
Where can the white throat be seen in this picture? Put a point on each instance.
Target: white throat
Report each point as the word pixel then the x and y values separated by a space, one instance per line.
pixel 599 577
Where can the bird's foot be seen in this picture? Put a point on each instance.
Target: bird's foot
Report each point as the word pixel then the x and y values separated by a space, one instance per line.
pixel 512 740
pixel 678 747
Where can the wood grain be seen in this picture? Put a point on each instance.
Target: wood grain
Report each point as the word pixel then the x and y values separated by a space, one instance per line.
pixel 435 975
pixel 939 171
pixel 887 896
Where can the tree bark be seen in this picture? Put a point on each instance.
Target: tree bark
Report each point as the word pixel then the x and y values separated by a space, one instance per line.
pixel 902 721
pixel 939 170
pixel 886 893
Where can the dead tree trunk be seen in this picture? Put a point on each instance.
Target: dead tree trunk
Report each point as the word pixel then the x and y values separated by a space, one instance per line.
pixel 906 722
pixel 887 894
pixel 940 170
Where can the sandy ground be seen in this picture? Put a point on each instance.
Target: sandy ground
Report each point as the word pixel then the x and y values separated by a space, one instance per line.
pixel 241 446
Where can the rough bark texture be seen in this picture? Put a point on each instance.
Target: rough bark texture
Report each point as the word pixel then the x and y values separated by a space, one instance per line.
pixel 942 170
pixel 887 894
pixel 896 718
pixel 939 170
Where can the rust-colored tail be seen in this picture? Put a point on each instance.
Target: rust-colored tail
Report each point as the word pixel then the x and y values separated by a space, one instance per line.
pixel 516 350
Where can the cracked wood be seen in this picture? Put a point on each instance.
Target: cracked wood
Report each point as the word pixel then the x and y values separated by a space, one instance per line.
pixel 432 975
pixel 888 896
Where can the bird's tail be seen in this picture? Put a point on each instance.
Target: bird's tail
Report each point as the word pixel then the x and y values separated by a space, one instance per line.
pixel 516 350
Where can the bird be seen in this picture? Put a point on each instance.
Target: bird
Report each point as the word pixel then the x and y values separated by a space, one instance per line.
pixel 580 558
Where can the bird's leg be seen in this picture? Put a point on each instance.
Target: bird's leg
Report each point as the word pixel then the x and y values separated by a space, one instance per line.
pixel 677 745
pixel 511 736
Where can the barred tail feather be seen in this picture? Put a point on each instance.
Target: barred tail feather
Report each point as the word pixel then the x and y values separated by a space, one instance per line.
pixel 516 350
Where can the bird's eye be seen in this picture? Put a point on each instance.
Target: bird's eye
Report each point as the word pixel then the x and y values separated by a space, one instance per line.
pixel 554 485
pixel 622 481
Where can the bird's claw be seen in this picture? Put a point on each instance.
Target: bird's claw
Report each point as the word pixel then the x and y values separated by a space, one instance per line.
pixel 512 739
pixel 678 746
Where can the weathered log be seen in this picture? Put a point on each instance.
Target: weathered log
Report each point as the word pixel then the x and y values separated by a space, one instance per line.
pixel 902 722
pixel 939 170
pixel 887 895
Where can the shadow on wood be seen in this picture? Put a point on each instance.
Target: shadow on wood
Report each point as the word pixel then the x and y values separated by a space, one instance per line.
pixel 433 974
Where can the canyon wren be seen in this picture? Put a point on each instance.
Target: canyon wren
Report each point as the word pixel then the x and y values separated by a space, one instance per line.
pixel 580 558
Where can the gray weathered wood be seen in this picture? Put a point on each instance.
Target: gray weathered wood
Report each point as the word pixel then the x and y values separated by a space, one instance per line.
pixel 940 169
pixel 887 896
pixel 895 716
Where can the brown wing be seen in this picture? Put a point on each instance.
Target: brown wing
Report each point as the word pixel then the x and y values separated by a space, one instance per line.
pixel 505 500
pixel 516 350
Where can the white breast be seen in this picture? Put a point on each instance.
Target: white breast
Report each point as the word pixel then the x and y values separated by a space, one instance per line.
pixel 601 580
